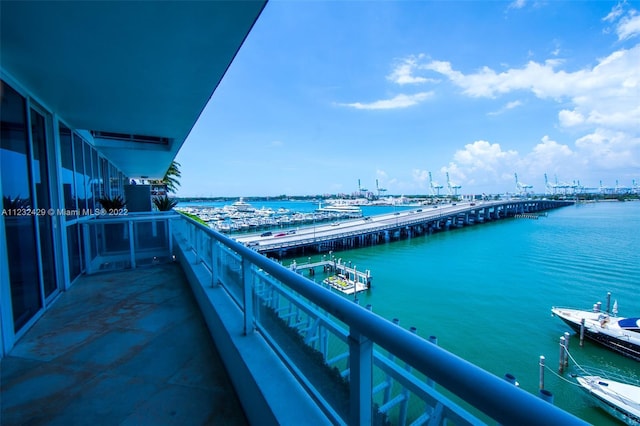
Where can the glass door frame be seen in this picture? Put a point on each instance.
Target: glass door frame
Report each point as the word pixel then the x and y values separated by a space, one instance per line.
pixel 54 205
pixel 8 334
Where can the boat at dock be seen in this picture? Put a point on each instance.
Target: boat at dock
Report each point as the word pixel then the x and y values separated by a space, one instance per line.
pixel 616 333
pixel 242 206
pixel 351 210
pixel 620 399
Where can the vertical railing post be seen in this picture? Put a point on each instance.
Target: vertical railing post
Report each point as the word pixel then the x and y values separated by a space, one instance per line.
pixel 360 378
pixel 215 257
pixel 132 244
pixel 247 292
pixel 196 245
pixel 87 248
pixel 170 237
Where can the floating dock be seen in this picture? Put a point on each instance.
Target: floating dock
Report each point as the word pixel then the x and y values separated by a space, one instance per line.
pixel 346 279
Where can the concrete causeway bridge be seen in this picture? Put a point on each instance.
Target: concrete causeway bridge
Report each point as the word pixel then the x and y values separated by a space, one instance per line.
pixel 370 230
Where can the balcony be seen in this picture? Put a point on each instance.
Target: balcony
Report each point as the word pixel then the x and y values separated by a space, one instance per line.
pixel 128 347
pixel 296 353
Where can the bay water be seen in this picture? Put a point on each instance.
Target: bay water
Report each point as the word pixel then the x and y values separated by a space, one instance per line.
pixel 486 291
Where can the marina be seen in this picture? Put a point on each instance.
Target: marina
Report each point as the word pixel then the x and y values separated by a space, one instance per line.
pixel 242 217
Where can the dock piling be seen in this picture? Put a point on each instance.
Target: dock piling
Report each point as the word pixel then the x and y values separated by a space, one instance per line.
pixel 546 396
pixel 582 332
pixel 561 357
pixel 566 348
pixel 541 379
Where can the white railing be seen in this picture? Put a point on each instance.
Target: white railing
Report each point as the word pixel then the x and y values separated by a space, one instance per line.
pixel 358 366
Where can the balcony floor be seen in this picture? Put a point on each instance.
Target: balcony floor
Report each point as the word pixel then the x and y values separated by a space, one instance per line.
pixel 125 348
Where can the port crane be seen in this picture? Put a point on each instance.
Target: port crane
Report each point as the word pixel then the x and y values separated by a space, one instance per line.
pixel 361 189
pixel 551 187
pixel 522 188
pixel 379 189
pixel 435 187
pixel 453 188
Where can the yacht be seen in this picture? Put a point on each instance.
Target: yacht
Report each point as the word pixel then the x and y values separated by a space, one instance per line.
pixel 242 206
pixel 349 209
pixel 616 333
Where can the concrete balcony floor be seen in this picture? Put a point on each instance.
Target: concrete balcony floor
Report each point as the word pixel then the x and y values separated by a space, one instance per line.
pixel 121 348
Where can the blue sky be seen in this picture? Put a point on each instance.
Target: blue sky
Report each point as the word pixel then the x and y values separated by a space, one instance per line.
pixel 324 93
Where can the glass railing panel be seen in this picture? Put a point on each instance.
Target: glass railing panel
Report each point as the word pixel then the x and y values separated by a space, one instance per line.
pixel 307 339
pixel 230 273
pixel 151 242
pixel 206 242
pixel 106 245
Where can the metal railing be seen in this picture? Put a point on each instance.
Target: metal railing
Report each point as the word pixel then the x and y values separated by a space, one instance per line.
pixel 358 366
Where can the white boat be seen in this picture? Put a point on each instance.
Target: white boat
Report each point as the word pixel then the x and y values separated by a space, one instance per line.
pixel 621 400
pixel 242 206
pixel 349 209
pixel 616 333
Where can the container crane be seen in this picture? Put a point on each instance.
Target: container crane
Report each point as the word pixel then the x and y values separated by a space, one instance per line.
pixel 379 189
pixel 453 188
pixel 522 188
pixel 360 189
pixel 435 187
pixel 550 187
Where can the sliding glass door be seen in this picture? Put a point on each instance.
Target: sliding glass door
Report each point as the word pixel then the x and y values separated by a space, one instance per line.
pixel 26 201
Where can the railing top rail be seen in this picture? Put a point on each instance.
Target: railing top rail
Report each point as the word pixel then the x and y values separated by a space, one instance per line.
pixel 130 217
pixel 494 396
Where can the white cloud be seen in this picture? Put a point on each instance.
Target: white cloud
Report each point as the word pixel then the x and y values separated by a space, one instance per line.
pixel 420 176
pixel 629 26
pixel 399 101
pixel 615 13
pixel 570 118
pixel 550 156
pixel 610 150
pixel 507 107
pixel 517 4
pixel 484 156
pixel 601 100
pixel 403 72
pixel 484 164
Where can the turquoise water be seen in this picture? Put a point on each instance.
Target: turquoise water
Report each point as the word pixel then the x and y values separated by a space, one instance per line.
pixel 486 291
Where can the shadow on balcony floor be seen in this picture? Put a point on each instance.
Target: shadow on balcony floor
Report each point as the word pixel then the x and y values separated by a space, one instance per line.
pixel 125 348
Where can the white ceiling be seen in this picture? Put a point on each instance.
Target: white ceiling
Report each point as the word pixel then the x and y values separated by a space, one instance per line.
pixel 131 67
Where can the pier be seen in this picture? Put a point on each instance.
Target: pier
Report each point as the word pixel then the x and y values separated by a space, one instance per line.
pixel 346 279
pixel 379 229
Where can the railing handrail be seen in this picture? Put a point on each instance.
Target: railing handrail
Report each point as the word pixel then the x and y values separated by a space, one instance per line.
pixel 129 216
pixel 490 394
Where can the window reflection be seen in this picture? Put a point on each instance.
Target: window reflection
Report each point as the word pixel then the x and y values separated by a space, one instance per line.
pixel 81 193
pixel 43 198
pixel 66 152
pixel 16 195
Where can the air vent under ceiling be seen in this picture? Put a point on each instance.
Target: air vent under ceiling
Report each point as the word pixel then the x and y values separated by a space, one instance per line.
pixel 157 140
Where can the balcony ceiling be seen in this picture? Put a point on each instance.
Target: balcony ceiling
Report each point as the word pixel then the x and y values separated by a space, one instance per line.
pixel 133 68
